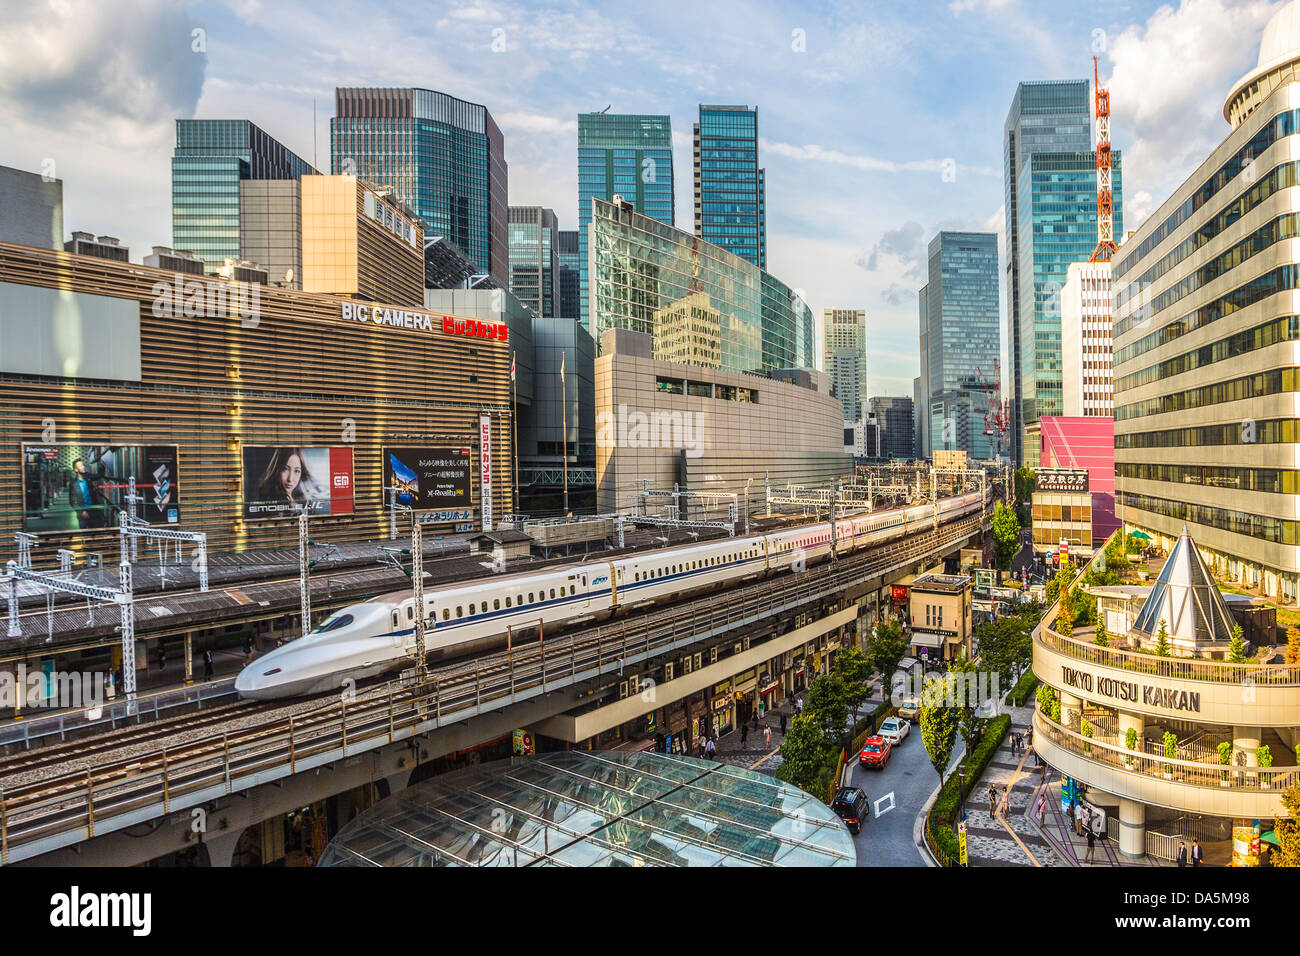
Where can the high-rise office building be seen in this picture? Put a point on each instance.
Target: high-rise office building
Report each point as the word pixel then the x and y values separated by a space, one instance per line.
pixel 1206 363
pixel 535 259
pixel 211 159
pixel 1049 116
pixel 1087 359
pixel 730 187
pixel 443 157
pixel 570 270
pixel 31 208
pixel 893 418
pixel 961 340
pixel 844 358
pixel 921 384
pixel 699 303
pixel 621 154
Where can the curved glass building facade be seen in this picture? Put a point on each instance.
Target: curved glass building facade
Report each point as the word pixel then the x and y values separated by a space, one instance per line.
pixel 703 305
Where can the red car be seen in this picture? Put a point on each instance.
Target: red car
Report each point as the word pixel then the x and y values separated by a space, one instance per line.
pixel 875 752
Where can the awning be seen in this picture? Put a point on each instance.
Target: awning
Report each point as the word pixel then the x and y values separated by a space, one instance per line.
pixel 1140 534
pixel 1269 836
pixel 922 639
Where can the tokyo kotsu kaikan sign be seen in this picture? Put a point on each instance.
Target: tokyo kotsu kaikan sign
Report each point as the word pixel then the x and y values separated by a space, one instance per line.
pixel 423 321
pixel 1132 691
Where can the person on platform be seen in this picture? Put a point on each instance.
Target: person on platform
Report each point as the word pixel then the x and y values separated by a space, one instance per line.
pixel 1198 855
pixel 208 670
pixel 1182 853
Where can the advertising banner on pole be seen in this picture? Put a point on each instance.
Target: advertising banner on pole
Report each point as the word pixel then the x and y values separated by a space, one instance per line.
pixel 485 469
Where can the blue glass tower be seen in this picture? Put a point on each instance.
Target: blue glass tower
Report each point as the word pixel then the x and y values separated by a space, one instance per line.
pixel 210 159
pixel 622 154
pixel 960 339
pixel 730 188
pixel 444 158
pixel 1051 221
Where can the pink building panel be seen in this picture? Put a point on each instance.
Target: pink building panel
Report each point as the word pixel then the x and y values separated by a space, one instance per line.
pixel 1086 442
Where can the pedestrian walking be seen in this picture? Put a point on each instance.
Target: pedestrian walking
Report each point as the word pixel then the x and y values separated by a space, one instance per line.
pixel 1182 853
pixel 710 751
pixel 783 723
pixel 1041 807
pixel 798 705
pixel 993 799
pixel 1197 855
pixel 162 656
pixel 767 736
pixel 208 670
pixel 1092 846
pixel 248 648
pixel 744 735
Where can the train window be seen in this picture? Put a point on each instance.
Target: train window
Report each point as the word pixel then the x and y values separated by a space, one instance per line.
pixel 552 594
pixel 410 612
pixel 446 613
pixel 496 604
pixel 394 619
pixel 507 601
pixel 460 610
pixel 334 623
pixel 573 589
pixel 530 597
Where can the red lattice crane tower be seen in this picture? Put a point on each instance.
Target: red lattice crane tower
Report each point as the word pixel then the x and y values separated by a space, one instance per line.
pixel 995 417
pixel 1105 197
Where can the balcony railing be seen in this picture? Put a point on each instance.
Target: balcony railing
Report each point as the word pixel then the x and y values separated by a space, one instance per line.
pixel 1170 769
pixel 1183 668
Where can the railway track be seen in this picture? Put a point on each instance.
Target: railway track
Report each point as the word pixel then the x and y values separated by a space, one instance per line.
pixel 71 804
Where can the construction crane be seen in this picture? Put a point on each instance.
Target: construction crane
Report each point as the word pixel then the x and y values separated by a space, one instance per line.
pixel 1105 197
pixel 995 416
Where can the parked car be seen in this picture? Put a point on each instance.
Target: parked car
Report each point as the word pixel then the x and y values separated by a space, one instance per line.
pixel 875 752
pixel 851 806
pixel 894 729
pixel 909 708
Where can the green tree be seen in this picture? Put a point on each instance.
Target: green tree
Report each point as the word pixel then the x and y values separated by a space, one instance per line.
pixel 1293 645
pixel 939 724
pixel 803 753
pixel 1287 829
pixel 1046 696
pixel 1100 637
pixel 827 703
pixel 1162 640
pixel 969 724
pixel 1006 647
pixel 854 669
pixel 887 648
pixel 1006 535
pixel 1236 646
pixel 1024 482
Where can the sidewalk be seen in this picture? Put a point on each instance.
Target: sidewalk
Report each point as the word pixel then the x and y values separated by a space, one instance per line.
pixel 754 754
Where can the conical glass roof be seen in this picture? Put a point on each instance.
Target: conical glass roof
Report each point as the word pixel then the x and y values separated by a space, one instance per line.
pixel 1186 599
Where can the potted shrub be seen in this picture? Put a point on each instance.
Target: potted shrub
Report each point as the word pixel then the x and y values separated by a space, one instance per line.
pixel 1225 758
pixel 1265 758
pixel 1171 752
pixel 1056 711
pixel 1131 742
pixel 1085 728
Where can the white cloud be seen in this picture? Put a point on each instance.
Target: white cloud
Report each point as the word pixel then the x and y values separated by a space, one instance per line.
pixel 1168 81
pixel 811 152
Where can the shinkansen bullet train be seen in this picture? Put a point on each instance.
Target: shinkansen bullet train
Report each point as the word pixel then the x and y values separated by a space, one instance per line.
pixel 364 640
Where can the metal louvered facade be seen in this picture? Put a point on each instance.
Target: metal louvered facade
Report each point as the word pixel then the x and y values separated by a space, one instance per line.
pixel 296 370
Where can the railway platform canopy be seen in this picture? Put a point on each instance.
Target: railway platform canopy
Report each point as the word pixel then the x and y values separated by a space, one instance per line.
pixel 596 808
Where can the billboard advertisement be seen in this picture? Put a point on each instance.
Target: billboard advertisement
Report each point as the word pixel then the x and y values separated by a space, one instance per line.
pixel 83 487
pixel 284 481
pixel 429 478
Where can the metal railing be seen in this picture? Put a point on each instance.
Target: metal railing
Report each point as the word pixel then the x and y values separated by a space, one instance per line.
pixel 38 817
pixel 1172 769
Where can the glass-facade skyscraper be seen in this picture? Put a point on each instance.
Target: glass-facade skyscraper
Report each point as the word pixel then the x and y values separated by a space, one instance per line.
pixel 535 259
pixel 1058 225
pixel 960 340
pixel 443 157
pixel 703 305
pixel 730 187
pixel 210 160
pixel 1050 116
pixel 570 270
pixel 621 154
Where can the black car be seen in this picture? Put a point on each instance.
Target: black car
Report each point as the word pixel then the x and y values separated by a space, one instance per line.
pixel 851 806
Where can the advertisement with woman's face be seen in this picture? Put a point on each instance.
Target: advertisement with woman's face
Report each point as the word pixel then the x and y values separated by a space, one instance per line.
pixel 284 481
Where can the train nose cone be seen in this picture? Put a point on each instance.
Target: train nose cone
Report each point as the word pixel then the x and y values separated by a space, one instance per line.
pixel 257 681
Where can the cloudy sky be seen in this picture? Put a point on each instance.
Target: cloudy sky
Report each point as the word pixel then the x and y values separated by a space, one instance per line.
pixel 862 105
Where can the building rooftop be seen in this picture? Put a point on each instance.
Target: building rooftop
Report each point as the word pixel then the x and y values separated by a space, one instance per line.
pixel 941 582
pixel 1185 599
pixel 596 808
